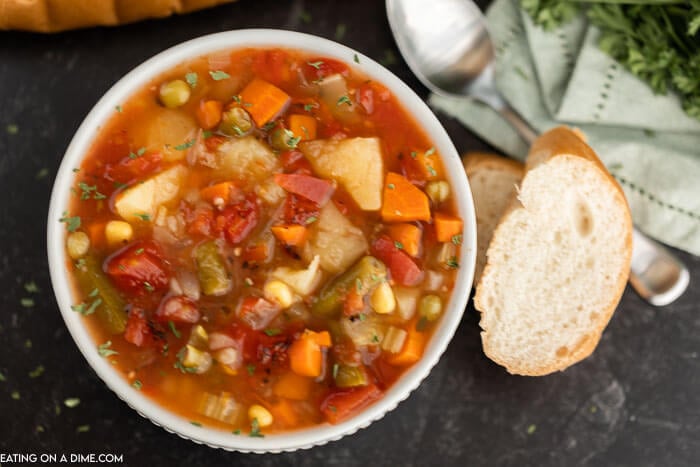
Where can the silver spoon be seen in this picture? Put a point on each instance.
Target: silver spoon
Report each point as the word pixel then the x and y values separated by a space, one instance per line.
pixel 447 46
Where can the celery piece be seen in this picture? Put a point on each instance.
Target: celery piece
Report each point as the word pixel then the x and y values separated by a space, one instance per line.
pixel 350 377
pixel 211 269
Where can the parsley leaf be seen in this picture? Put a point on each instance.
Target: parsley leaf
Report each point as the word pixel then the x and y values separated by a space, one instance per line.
pixel 71 402
pixel 255 429
pixel 272 332
pixel 72 223
pixel 344 100
pixel 185 145
pixel 191 79
pixel 104 350
pixel 219 75
pixel 316 65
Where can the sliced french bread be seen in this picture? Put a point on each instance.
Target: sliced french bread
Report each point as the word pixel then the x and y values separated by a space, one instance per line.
pixel 493 180
pixel 558 260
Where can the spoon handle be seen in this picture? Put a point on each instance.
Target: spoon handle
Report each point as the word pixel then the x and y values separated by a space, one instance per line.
pixel 655 273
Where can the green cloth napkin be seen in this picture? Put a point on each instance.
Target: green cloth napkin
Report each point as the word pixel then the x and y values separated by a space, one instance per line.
pixel 648 143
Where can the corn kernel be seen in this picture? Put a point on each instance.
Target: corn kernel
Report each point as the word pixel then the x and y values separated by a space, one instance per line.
pixel 438 191
pixel 118 233
pixel 278 292
pixel 78 244
pixel 174 93
pixel 382 299
pixel 261 414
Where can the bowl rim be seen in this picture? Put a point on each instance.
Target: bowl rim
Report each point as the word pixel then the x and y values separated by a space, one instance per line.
pixel 133 81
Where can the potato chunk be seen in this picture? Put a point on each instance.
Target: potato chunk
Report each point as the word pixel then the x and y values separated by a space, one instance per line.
pixel 356 163
pixel 170 128
pixel 335 240
pixel 246 159
pixel 141 201
pixel 303 281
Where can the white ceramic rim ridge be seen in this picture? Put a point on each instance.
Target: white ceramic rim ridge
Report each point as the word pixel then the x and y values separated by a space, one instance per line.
pixel 134 81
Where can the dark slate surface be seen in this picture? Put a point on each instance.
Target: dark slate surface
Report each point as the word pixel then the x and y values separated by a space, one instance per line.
pixel 636 402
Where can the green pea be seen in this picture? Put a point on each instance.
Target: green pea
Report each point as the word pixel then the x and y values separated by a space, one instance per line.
pixel 174 93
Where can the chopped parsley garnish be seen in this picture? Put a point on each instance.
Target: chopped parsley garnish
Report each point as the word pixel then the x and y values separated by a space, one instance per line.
pixel 391 186
pixel 358 285
pixel 87 190
pixel 255 429
pixel 2 378
pixel 429 152
pixel 237 99
pixel 356 58
pixel 309 107
pixel 191 79
pixel 28 344
pixel 422 324
pixel 340 31
pixel 531 429
pixel 305 16
pixel 71 402
pixel 432 171
pixel 398 245
pixel 269 125
pixel 250 368
pixel 457 239
pixel 362 316
pixel 94 292
pixel 15 395
pixel 149 288
pixel 375 338
pixel 206 134
pixel 272 332
pixel 83 429
pixel 414 154
pixel 144 216
pixel 118 108
pixel 195 423
pixel 36 372
pixel 12 129
pixel 316 65
pixel 452 262
pixel 236 432
pixel 311 220
pixel 344 100
pixel 218 75
pixel 174 330
pixel 139 152
pixel 180 366
pixel 27 302
pixel 137 385
pixel 138 251
pixel 389 58
pixel 31 287
pixel 236 129
pixel 105 351
pixel 119 185
pixel 185 145
pixel 85 309
pixel 72 223
pixel 292 141
pixel 336 367
pixel 42 173
pixel 76 170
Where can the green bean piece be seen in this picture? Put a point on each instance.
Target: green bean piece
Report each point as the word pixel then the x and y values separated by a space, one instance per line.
pixel 236 122
pixel 350 376
pixel 112 309
pixel 364 275
pixel 211 269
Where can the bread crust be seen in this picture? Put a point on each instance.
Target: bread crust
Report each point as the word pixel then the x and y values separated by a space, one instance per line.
pixel 60 15
pixel 475 161
pixel 562 142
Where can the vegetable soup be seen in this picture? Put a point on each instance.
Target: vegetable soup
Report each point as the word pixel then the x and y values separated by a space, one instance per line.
pixel 262 240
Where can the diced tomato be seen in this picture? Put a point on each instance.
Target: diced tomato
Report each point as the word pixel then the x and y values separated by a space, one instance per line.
pixel 256 312
pixel 137 331
pixel 340 405
pixel 237 221
pixel 295 162
pixel 177 309
pixel 403 269
pixel 299 210
pixel 213 142
pixel 365 97
pixel 138 268
pixel 315 189
pixel 273 66
pixel 318 68
pixel 257 253
pixel 134 166
pixel 201 223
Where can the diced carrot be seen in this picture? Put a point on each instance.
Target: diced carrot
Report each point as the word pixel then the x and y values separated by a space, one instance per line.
pixel 263 100
pixel 285 413
pixel 291 235
pixel 293 386
pixel 305 355
pixel 209 113
pixel 408 237
pixel 354 303
pixel 223 191
pixel 403 201
pixel 256 253
pixel 96 232
pixel 423 165
pixel 447 226
pixel 412 349
pixel 303 126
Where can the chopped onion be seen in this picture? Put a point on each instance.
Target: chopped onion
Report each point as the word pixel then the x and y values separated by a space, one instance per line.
pixel 219 340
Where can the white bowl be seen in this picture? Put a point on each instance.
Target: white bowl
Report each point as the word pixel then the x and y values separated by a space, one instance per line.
pixel 135 80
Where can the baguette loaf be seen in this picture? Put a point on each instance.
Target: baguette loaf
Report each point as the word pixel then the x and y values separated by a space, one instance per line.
pixel 60 15
pixel 558 261
pixel 493 180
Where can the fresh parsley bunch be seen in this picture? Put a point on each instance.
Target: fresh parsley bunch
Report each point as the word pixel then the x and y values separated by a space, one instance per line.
pixel 657 40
